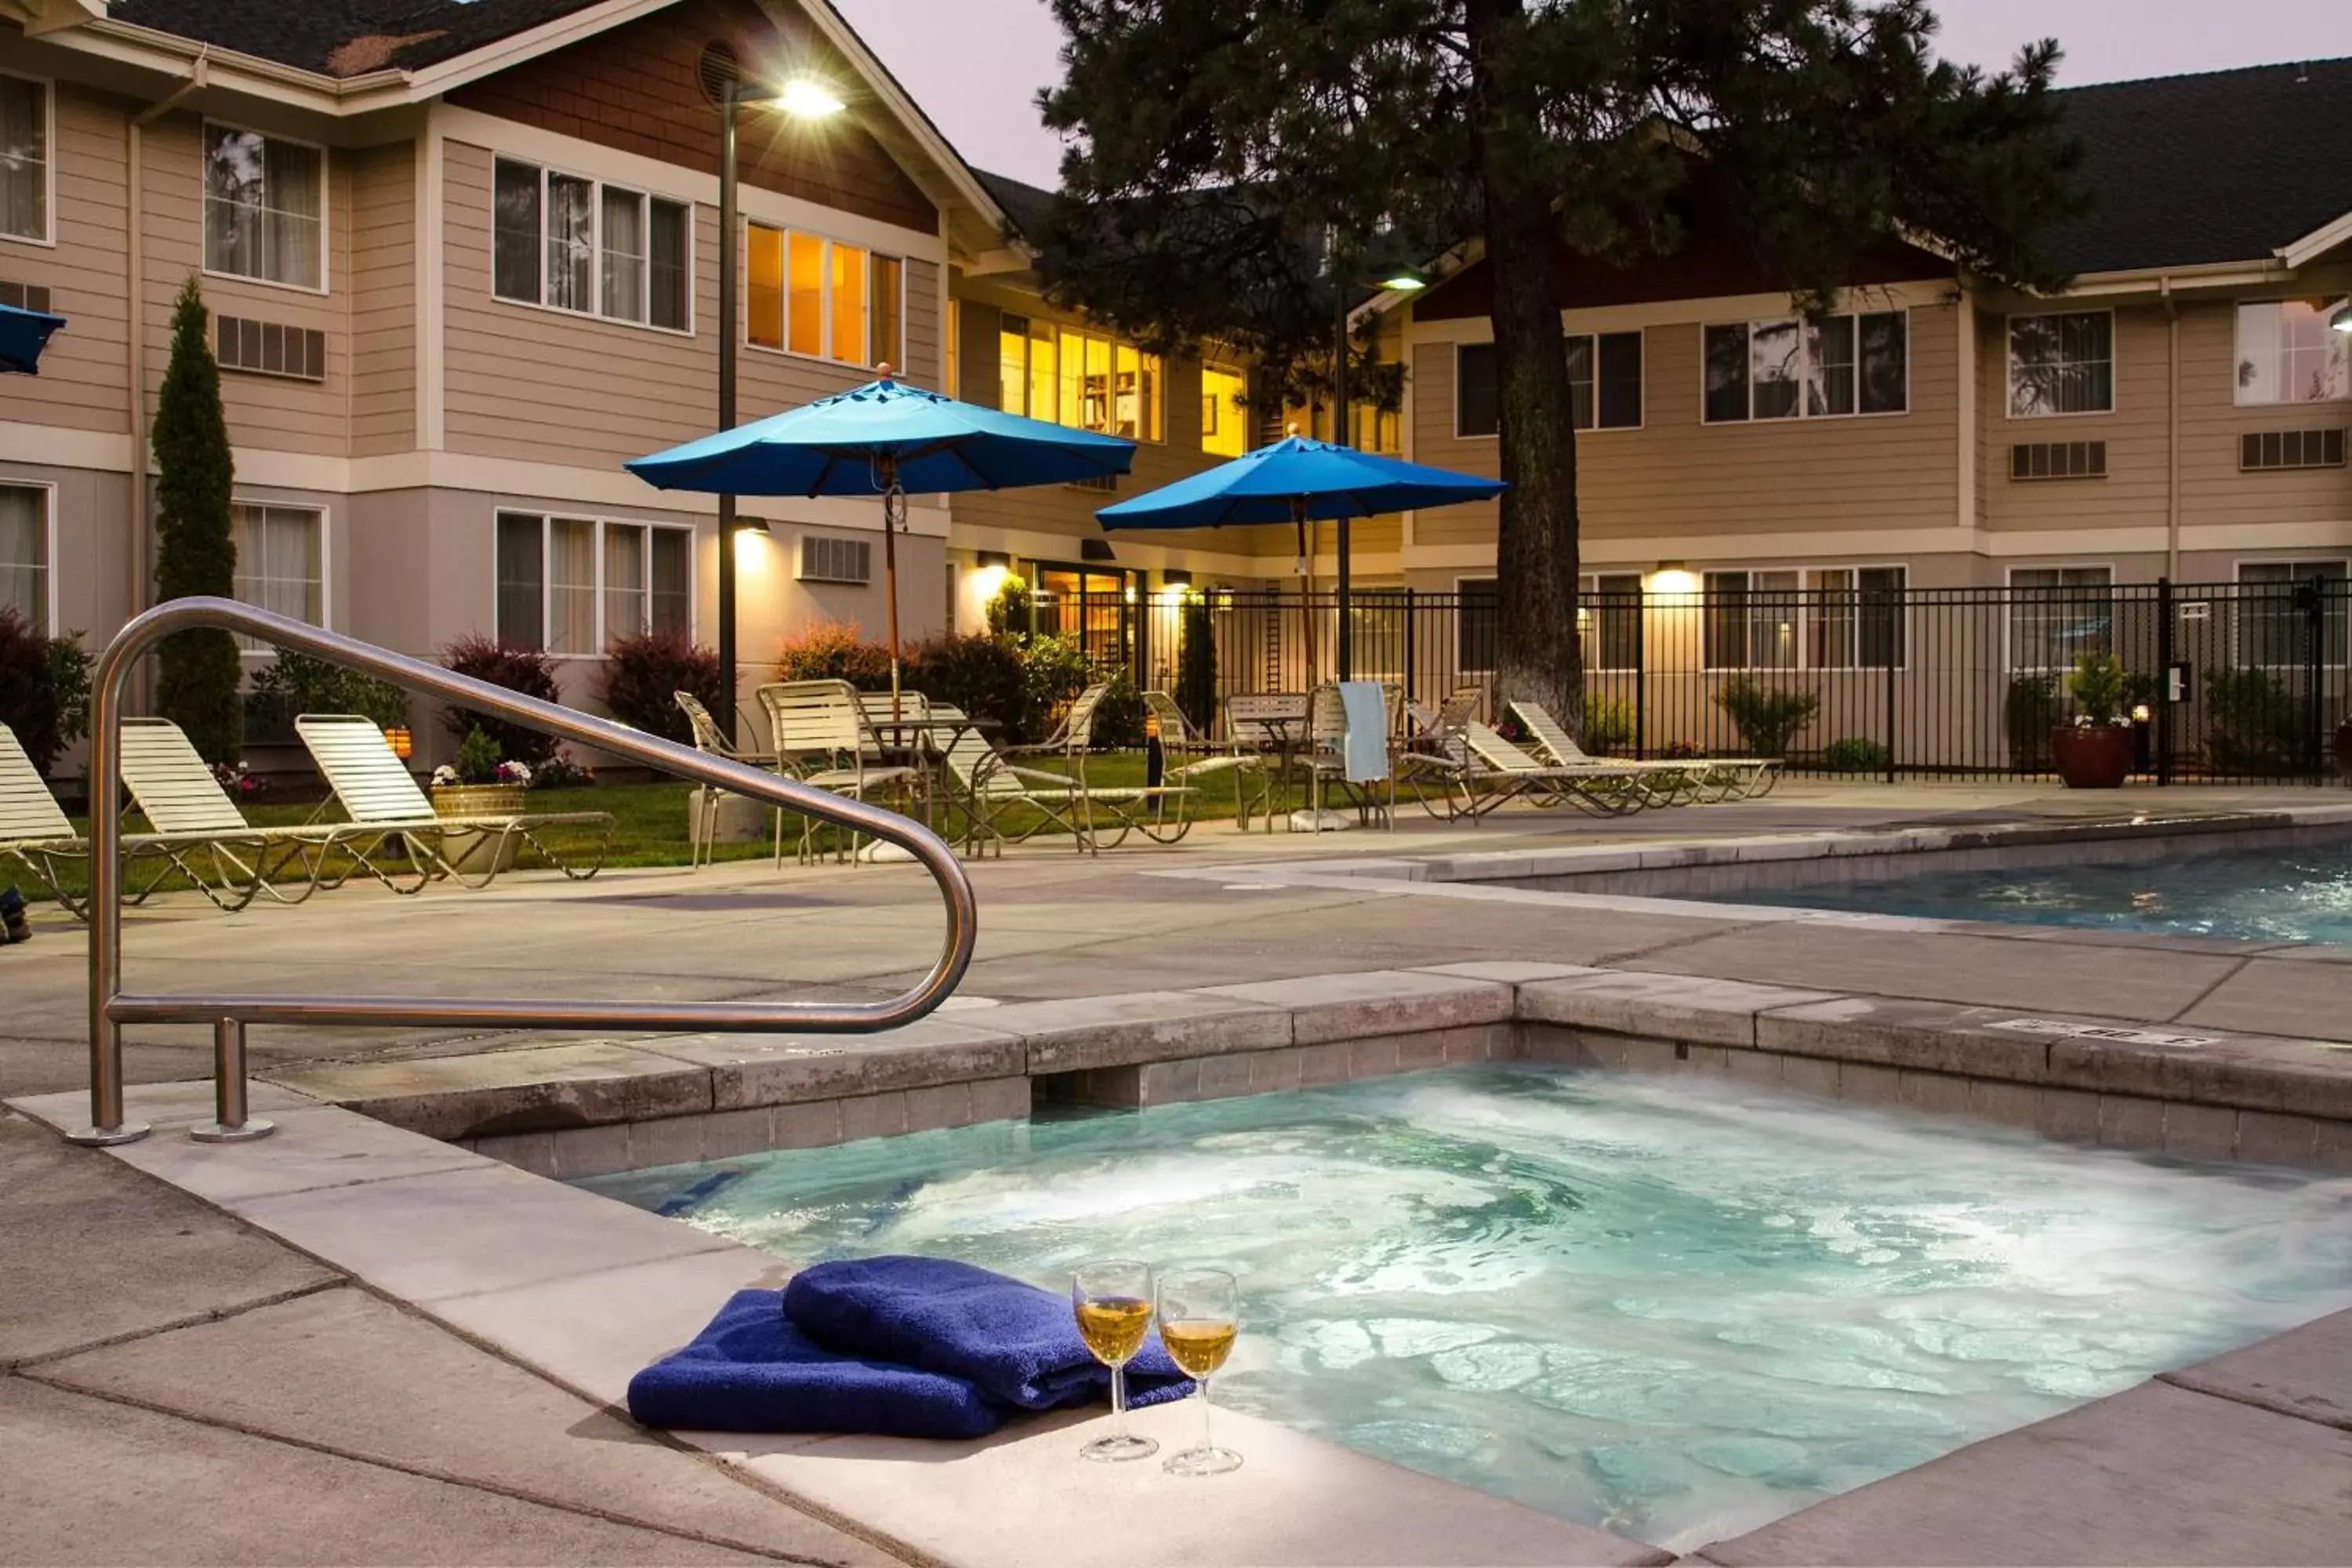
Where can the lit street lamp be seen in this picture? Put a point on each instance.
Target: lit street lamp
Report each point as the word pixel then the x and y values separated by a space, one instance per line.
pixel 1398 281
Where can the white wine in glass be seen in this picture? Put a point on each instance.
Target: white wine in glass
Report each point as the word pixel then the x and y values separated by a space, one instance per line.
pixel 1199 1315
pixel 1112 1300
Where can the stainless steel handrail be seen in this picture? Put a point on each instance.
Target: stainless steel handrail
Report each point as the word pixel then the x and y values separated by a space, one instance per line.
pixel 111 1007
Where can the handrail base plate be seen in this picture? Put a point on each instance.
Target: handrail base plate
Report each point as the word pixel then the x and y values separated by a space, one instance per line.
pixel 107 1137
pixel 221 1133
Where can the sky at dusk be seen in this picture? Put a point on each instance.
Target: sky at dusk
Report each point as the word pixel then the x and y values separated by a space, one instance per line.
pixel 976 65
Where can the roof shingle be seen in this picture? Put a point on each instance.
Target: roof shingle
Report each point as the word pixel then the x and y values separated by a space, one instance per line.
pixel 346 38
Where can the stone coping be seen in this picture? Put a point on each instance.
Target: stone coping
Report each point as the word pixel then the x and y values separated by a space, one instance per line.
pixel 666 1099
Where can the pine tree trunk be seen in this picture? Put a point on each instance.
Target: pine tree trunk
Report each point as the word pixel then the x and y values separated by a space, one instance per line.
pixel 1536 656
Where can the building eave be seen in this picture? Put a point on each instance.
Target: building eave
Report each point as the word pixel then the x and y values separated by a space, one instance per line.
pixel 2317 243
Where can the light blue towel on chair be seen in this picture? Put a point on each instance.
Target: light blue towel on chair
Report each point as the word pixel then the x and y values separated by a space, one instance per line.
pixel 1368 730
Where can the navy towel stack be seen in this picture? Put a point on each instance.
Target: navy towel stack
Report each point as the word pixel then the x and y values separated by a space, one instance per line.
pixel 906 1347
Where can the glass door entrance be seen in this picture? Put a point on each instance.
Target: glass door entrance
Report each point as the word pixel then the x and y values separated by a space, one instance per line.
pixel 1092 608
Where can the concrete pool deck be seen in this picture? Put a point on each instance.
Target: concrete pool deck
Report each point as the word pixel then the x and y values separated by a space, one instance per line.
pixel 175 1287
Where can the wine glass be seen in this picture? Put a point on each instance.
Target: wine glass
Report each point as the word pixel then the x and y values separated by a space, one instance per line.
pixel 1113 1302
pixel 1200 1313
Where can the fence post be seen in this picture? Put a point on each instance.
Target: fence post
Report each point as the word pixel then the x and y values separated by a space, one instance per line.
pixel 2165 655
pixel 1891 673
pixel 1409 628
pixel 2315 638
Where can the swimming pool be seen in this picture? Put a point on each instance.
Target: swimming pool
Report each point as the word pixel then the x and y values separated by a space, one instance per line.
pixel 1672 1308
pixel 2289 894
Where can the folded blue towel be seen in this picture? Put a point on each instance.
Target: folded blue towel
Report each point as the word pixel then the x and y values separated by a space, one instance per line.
pixel 751 1371
pixel 1014 1343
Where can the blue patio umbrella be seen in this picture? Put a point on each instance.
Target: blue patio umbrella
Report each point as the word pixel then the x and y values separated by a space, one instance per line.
pixel 1298 480
pixel 23 335
pixel 886 439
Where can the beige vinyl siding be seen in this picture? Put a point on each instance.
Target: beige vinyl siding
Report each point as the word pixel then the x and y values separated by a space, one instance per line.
pixel 2133 493
pixel 2213 492
pixel 1676 475
pixel 382 387
pixel 271 413
pixel 85 372
pixel 549 386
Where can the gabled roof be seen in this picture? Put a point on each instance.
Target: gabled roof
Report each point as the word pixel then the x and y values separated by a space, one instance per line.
pixel 2223 166
pixel 346 38
pixel 1026 205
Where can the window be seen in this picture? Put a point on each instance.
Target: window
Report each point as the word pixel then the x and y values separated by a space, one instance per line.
pixel 1224 413
pixel 1858 623
pixel 818 296
pixel 571 585
pixel 1604 384
pixel 1473 624
pixel 1796 369
pixel 2058 612
pixel 277 559
pixel 2286 353
pixel 1372 429
pixel 2062 364
pixel 571 244
pixel 2276 612
pixel 265 204
pixel 1752 619
pixel 25 552
pixel 1081 379
pixel 1609 620
pixel 24 159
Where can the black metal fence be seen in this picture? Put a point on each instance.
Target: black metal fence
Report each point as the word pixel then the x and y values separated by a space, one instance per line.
pixel 2227 682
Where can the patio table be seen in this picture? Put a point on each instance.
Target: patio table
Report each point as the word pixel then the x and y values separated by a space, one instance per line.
pixel 1279 722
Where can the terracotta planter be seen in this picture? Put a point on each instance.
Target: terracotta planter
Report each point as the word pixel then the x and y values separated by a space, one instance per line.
pixel 2093 756
pixel 477 853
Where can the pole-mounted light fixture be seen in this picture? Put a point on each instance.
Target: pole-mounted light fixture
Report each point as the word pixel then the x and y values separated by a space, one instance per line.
pixel 805 97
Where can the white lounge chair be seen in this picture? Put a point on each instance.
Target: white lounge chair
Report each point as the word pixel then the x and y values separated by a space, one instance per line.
pixel 199 829
pixel 1700 778
pixel 710 741
pixel 35 831
pixel 1486 771
pixel 377 791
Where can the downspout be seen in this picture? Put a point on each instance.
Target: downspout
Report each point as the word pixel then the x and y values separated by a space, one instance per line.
pixel 143 526
pixel 2172 427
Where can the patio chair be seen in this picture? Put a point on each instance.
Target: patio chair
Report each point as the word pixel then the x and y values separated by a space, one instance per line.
pixel 1325 759
pixel 1701 778
pixel 992 784
pixel 35 831
pixel 1486 771
pixel 710 741
pixel 200 831
pixel 377 791
pixel 823 739
pixel 1193 756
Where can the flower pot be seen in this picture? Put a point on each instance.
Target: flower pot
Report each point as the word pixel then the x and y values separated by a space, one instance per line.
pixel 475 854
pixel 2093 756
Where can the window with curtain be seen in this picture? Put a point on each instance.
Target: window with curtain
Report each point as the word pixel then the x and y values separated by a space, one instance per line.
pixel 819 297
pixel 1609 620
pixel 24 158
pixel 2288 353
pixel 1858 618
pixel 25 552
pixel 1795 369
pixel 522 580
pixel 1753 620
pixel 279 551
pixel 2064 363
pixel 263 207
pixel 575 243
pixel 2056 613
pixel 570 585
pixel 2275 614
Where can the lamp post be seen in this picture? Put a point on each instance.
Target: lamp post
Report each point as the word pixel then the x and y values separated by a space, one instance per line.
pixel 1401 281
pixel 804 100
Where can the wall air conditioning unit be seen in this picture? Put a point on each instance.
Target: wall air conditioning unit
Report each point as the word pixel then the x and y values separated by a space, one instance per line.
pixel 830 558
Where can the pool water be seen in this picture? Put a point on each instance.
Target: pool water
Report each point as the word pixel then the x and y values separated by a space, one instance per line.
pixel 2267 895
pixel 1670 1309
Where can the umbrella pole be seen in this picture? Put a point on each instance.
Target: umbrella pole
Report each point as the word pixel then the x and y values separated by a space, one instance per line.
pixel 1305 581
pixel 894 513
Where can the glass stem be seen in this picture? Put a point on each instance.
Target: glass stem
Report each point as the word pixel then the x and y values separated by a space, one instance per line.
pixel 1119 1398
pixel 1207 1439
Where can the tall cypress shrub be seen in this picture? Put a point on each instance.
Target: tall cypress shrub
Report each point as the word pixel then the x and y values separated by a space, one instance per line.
pixel 1196 663
pixel 197 671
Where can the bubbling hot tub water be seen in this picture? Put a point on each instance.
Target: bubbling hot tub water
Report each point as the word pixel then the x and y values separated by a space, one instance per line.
pixel 1673 1309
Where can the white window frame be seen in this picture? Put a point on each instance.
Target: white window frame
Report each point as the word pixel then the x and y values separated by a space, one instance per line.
pixel 1593 336
pixel 596 247
pixel 2237 357
pixel 2115 367
pixel 1903 620
pixel 47 239
pixel 1238 372
pixel 1810 590
pixel 1031 322
pixel 1590 583
pixel 260 649
pixel 824 310
pixel 1801 416
pixel 2009 665
pixel 52 608
pixel 2238 631
pixel 602 634
pixel 1748 633
pixel 326 209
pixel 1462 669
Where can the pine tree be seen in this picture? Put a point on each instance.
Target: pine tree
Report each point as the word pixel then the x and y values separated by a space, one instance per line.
pixel 197 672
pixel 1211 143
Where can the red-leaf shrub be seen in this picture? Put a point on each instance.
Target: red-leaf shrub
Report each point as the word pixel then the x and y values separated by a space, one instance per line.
pixel 524 669
pixel 643 675
pixel 832 650
pixel 44 688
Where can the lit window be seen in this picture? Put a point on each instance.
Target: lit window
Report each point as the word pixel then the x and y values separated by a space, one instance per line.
pixel 277 558
pixel 818 296
pixel 571 244
pixel 1795 369
pixel 2287 353
pixel 2062 364
pixel 1080 379
pixel 264 203
pixel 24 158
pixel 1224 417
pixel 570 585
pixel 25 552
